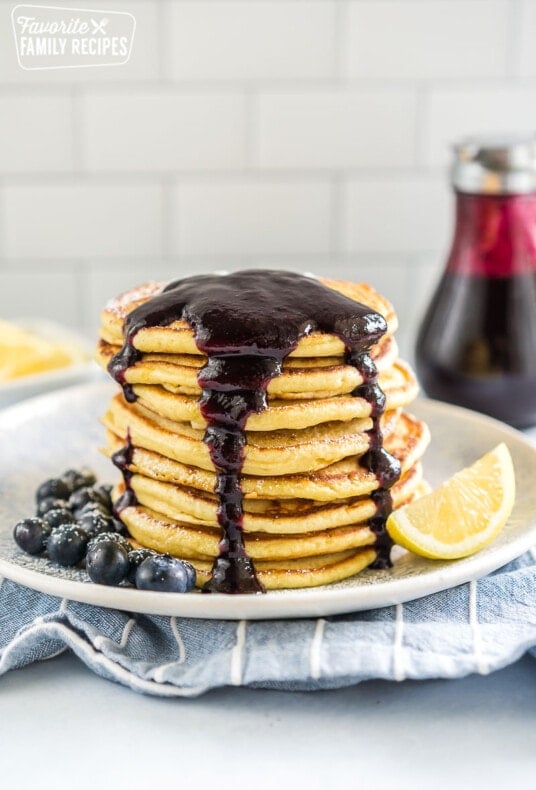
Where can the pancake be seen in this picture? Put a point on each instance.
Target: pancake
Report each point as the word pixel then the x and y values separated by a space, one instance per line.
pixel 178 337
pixel 298 574
pixel 341 480
pixel 266 453
pixel 398 384
pixel 300 378
pixel 282 517
pixel 156 531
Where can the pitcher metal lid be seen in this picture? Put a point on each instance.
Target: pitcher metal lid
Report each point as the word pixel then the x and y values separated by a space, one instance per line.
pixel 499 164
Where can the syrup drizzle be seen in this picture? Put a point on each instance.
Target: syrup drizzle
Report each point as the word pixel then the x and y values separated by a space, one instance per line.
pixel 376 459
pixel 123 460
pixel 247 323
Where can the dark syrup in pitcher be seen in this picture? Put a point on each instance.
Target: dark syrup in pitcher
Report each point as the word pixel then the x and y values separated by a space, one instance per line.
pixel 477 343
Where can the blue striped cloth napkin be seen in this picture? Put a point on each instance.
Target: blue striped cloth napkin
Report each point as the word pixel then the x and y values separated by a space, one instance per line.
pixel 476 627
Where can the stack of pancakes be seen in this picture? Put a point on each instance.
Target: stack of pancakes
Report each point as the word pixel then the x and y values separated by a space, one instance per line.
pixel 307 500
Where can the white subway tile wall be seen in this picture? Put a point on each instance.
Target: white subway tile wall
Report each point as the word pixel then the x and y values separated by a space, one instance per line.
pixel 167 130
pixel 303 134
pixel 21 150
pixel 259 40
pixel 526 51
pixel 427 40
pixel 61 221
pixel 243 217
pixel 337 128
pixel 414 214
pixel 452 111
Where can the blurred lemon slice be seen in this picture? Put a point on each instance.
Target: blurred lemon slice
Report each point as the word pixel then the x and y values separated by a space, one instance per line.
pixel 23 353
pixel 461 516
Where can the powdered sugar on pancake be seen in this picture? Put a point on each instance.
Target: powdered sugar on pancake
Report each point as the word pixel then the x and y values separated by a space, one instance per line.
pixel 127 301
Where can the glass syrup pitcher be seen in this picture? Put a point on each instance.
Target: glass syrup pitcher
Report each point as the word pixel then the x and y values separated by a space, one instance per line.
pixel 476 346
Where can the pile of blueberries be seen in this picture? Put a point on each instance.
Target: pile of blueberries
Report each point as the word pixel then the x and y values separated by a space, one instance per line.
pixel 75 523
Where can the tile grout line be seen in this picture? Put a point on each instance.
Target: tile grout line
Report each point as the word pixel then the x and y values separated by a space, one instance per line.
pixel 77 144
pixel 337 224
pixel 252 138
pixel 168 217
pixel 162 28
pixel 422 100
pixel 341 53
pixel 513 39
pixel 81 273
pixel 277 85
pixel 221 176
pixel 3 223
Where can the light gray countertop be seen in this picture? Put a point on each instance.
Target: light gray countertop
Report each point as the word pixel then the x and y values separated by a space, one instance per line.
pixel 63 727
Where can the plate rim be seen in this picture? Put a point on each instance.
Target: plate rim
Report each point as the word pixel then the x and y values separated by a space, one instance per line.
pixel 283 604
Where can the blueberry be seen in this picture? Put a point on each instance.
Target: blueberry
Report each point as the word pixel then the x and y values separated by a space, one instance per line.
pixel 107 562
pixel 119 527
pixel 58 516
pixel 163 573
pixel 82 496
pixel 135 558
pixel 94 523
pixel 105 493
pixel 114 537
pixel 52 488
pixel 31 535
pixel 91 507
pixel 67 545
pixel 78 478
pixel 191 573
pixel 50 503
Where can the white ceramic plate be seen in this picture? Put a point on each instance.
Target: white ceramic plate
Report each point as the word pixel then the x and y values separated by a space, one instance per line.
pixel 44 436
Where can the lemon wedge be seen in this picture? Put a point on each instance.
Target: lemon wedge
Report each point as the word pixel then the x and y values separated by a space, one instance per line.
pixel 23 353
pixel 462 515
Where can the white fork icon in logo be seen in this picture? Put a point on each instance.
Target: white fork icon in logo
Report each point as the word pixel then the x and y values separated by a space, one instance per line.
pixel 98 27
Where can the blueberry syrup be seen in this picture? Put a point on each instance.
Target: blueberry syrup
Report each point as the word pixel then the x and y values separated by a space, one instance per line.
pixel 123 460
pixel 247 323
pixel 377 460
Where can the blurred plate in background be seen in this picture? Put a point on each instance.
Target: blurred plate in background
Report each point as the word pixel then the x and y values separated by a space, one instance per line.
pixel 82 368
